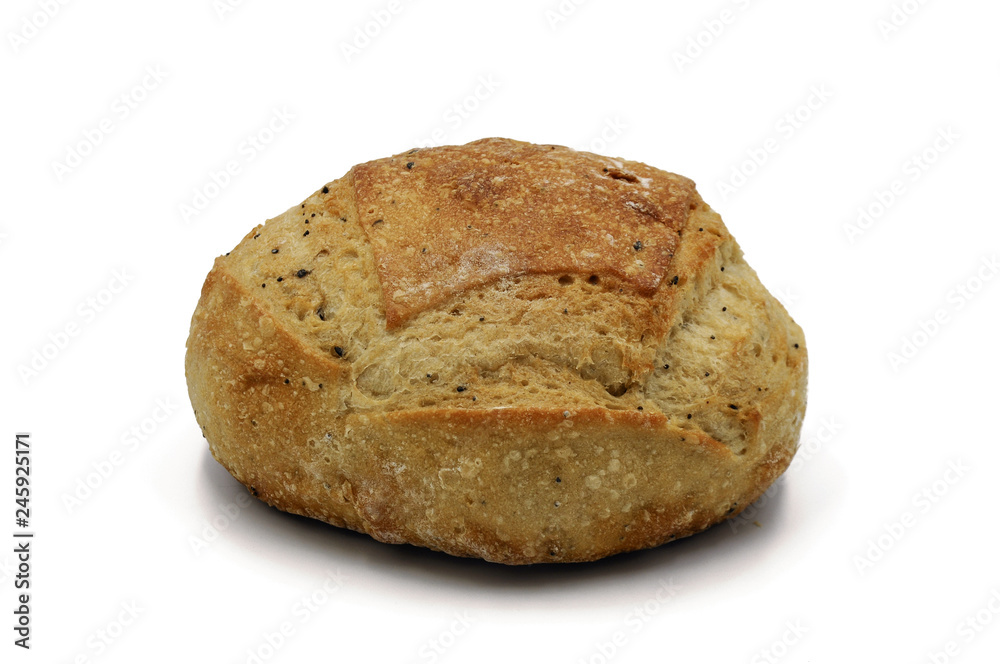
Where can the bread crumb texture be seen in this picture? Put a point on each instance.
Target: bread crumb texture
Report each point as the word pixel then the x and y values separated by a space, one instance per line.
pixel 516 352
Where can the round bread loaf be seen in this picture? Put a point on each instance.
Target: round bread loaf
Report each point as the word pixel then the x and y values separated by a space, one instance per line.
pixel 517 352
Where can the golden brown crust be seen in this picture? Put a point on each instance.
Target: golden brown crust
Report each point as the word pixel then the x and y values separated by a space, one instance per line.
pixel 443 220
pixel 520 418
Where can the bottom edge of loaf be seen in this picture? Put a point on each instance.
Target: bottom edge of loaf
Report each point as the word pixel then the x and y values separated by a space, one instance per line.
pixel 588 546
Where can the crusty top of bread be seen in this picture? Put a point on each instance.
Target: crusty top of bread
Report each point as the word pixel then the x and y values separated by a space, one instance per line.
pixel 443 220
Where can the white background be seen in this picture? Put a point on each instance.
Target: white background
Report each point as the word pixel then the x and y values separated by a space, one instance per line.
pixel 870 549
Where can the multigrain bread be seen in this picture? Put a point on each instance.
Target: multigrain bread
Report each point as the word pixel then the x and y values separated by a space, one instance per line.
pixel 516 352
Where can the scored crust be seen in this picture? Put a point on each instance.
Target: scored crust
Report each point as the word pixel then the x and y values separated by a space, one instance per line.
pixel 444 220
pixel 530 389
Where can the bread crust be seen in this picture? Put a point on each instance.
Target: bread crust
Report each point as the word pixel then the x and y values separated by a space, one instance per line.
pixel 441 221
pixel 551 419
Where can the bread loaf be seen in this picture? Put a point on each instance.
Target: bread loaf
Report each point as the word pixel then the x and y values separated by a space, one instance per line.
pixel 517 352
